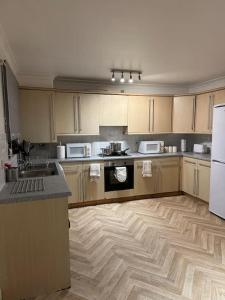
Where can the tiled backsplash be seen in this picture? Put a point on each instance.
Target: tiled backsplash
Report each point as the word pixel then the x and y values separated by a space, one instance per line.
pixel 117 134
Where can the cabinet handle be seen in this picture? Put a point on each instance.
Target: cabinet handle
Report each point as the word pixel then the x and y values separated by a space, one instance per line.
pixel 149 113
pixel 52 119
pixel 81 188
pixel 193 117
pixel 78 113
pixel 197 182
pixel 75 113
pixel 194 182
pixel 209 112
pixel 153 114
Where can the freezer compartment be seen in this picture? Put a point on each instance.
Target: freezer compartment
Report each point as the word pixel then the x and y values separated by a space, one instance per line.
pixel 217 189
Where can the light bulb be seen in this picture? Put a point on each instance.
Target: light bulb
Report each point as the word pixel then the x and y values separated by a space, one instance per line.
pixel 131 79
pixel 139 76
pixel 122 80
pixel 113 77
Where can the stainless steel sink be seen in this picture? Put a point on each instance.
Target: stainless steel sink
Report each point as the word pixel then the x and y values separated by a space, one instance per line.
pixel 39 170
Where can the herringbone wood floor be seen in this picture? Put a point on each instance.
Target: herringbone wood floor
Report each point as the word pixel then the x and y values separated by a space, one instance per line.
pixel 167 248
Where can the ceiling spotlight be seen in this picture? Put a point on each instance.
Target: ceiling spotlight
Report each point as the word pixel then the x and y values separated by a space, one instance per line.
pixel 139 76
pixel 122 80
pixel 113 77
pixel 131 78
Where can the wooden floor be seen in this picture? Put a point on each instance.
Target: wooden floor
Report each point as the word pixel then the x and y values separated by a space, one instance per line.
pixel 167 248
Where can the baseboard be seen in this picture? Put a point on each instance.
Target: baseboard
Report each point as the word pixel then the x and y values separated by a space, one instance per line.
pixel 123 199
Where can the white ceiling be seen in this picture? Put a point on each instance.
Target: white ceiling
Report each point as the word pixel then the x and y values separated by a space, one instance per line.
pixel 171 41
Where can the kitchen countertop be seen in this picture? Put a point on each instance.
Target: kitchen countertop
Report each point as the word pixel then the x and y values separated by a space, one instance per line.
pixel 136 155
pixel 54 187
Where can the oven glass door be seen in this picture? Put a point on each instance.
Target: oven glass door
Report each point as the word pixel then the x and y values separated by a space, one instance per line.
pixel 112 184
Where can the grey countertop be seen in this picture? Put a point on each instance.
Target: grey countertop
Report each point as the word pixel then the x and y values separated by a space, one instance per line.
pixel 136 155
pixel 56 187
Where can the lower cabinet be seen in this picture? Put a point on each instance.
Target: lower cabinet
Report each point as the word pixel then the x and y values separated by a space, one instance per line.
pixel 165 176
pixel 80 184
pixel 196 178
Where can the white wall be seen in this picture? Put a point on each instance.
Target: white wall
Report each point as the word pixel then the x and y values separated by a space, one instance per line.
pixel 3 143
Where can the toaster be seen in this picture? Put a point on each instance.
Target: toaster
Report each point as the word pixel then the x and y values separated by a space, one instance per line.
pixel 200 148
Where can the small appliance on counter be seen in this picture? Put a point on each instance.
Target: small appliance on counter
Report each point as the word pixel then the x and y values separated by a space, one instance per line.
pixel 147 147
pixel 200 148
pixel 183 145
pixel 76 150
pixel 61 151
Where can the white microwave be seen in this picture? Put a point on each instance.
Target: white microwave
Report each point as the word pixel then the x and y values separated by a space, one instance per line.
pixel 78 150
pixel 147 147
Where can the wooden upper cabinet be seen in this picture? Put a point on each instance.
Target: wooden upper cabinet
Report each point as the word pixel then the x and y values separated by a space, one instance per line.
pixel 36 114
pixel 113 110
pixel 219 97
pixel 203 115
pixel 162 114
pixel 76 114
pixel 64 113
pixel 183 114
pixel 138 114
pixel 88 113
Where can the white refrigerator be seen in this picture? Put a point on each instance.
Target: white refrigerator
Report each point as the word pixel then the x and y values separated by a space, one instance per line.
pixel 217 181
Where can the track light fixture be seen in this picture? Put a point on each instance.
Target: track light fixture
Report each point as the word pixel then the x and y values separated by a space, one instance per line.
pixel 122 77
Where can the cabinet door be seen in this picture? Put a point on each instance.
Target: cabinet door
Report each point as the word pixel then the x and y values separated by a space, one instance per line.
pixel 139 114
pixel 219 97
pixel 113 110
pixel 203 180
pixel 203 114
pixel 189 176
pixel 144 185
pixel 183 114
pixel 73 175
pixel 36 115
pixel 93 190
pixel 162 114
pixel 64 113
pixel 88 113
pixel 169 174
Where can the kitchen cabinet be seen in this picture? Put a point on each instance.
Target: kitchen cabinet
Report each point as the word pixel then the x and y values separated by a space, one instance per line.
pixel 92 190
pixel 138 114
pixel 168 175
pixel 218 97
pixel 88 114
pixel 165 176
pixel 73 175
pixel 189 176
pixel 76 114
pixel 196 178
pixel 145 185
pixel 203 180
pixel 184 114
pixel 203 115
pixel 34 252
pixel 113 110
pixel 36 115
pixel 80 184
pixel 161 114
pixel 64 113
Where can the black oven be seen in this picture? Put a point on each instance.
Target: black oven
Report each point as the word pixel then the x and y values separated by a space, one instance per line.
pixel 111 181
